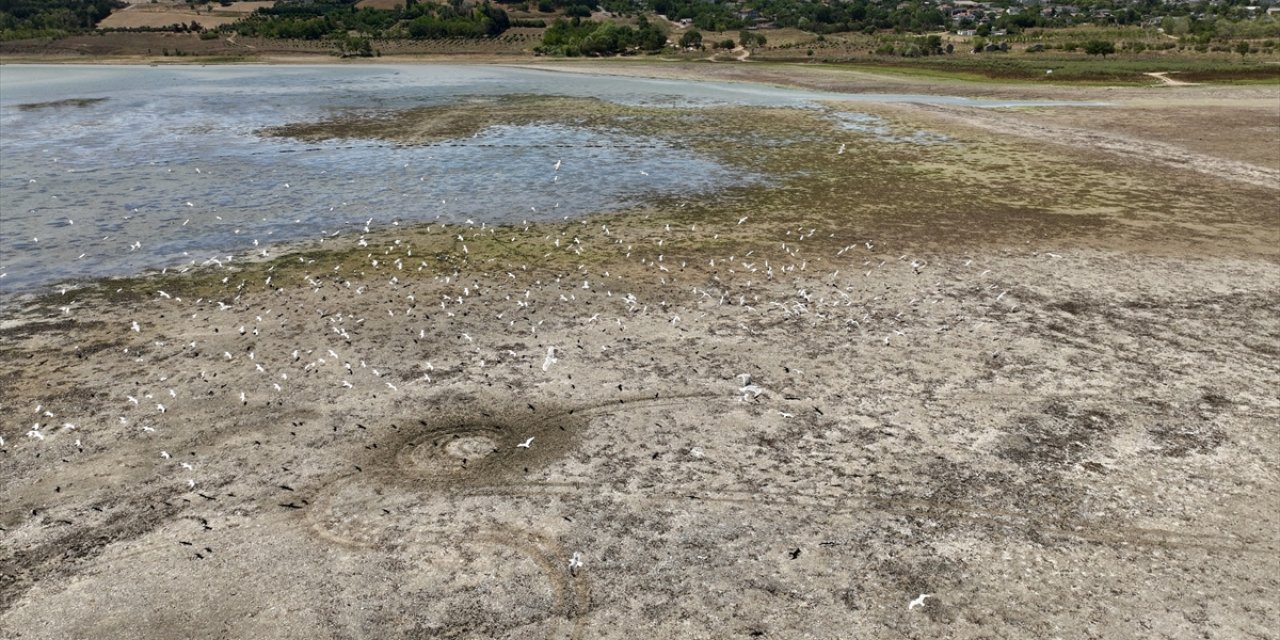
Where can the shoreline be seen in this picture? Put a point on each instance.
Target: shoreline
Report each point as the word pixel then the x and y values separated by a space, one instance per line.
pixel 1030 378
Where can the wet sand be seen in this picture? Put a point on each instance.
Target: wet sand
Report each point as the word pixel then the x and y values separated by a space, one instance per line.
pixel 1034 382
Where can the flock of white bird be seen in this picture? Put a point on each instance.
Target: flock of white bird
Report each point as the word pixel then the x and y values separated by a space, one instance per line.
pixel 341 300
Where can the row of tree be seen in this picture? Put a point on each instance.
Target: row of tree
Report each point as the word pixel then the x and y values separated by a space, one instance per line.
pixel 319 19
pixel 45 18
pixel 1198 20
pixel 578 37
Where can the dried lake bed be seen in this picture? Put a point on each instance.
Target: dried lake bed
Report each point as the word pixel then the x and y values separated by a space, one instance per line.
pixel 987 359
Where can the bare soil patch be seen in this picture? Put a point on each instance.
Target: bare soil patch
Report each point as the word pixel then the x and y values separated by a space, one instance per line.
pixel 166 14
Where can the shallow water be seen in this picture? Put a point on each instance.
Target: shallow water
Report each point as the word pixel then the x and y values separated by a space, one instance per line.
pixel 163 168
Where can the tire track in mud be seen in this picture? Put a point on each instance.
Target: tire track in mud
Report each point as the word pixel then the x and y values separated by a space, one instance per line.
pixel 68 554
pixel 433 466
pixel 414 493
pixel 456 480
pixel 851 504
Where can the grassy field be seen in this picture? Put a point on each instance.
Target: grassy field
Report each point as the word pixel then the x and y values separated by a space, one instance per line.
pixel 1067 68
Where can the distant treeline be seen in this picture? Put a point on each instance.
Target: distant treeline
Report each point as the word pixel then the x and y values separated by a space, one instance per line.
pixel 578 37
pixel 51 18
pixel 316 19
pixel 1198 22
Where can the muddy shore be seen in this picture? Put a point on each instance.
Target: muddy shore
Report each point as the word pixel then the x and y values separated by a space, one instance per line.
pixel 1029 374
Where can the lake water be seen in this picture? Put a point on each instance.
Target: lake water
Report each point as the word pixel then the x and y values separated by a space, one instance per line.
pixel 161 166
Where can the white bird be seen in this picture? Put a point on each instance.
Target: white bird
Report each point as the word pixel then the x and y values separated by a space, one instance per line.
pixel 165 455
pixel 919 601
pixel 550 359
pixel 840 151
pixel 526 444
pixel 575 563
pixel 135 327
pixel 557 165
pixel 191 484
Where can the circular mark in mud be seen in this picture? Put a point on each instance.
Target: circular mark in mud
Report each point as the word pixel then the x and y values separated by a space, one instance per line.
pixel 486 450
pixel 450 449
pixel 463 536
pixel 459 482
pixel 470 447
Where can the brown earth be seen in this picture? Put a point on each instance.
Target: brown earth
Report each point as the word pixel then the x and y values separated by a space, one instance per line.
pixel 1018 372
pixel 190 48
pixel 164 14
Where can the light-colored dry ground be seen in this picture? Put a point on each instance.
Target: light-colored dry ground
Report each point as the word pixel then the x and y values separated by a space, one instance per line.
pixel 165 14
pixel 380 4
pixel 1036 382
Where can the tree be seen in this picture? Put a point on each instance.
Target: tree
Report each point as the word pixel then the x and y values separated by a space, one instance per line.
pixel 1099 47
pixel 691 39
pixel 1243 48
pixel 649 37
pixel 751 38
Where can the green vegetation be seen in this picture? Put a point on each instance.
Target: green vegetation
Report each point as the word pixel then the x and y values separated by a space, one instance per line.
pixel 1099 48
pixel 578 37
pixel 1029 35
pixel 752 39
pixel 318 19
pixel 51 18
pixel 1095 70
pixel 914 47
pixel 69 102
pixel 691 39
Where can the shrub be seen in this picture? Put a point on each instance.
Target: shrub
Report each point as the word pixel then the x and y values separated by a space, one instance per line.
pixel 1099 48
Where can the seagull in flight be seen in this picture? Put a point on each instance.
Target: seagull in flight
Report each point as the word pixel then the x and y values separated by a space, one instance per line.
pixel 526 444
pixel 919 601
